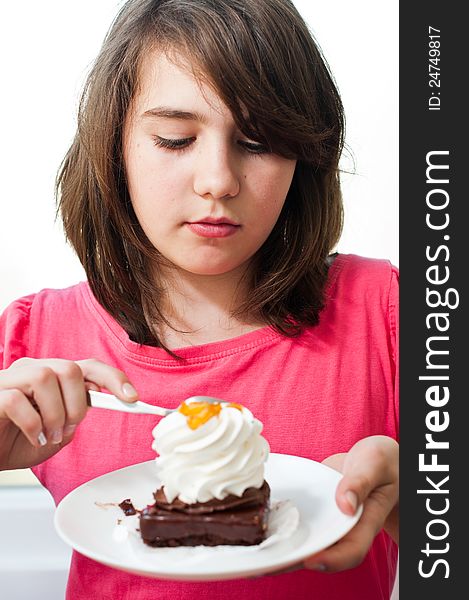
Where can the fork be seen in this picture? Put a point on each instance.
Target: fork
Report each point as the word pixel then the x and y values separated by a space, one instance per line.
pixel 102 400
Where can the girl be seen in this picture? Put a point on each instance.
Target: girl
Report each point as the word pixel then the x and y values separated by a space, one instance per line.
pixel 202 196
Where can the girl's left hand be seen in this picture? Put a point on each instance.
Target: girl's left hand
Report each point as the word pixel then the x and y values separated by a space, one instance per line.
pixel 370 477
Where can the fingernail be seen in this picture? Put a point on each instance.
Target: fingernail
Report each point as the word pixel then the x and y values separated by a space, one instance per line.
pixel 56 436
pixel 352 500
pixel 69 430
pixel 129 390
pixel 318 567
pixel 41 438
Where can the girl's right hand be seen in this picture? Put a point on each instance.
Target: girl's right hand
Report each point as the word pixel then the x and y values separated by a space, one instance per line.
pixel 43 400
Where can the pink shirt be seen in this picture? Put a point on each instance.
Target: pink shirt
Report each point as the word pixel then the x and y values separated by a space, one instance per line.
pixel 316 395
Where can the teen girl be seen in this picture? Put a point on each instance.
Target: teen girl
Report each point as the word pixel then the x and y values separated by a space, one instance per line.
pixel 202 196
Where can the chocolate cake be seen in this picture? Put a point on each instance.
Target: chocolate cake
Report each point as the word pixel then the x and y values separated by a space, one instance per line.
pixel 232 521
pixel 210 463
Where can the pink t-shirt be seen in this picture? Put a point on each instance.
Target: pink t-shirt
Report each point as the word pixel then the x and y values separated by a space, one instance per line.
pixel 316 395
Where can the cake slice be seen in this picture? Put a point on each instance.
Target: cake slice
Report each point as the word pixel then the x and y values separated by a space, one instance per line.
pixel 210 462
pixel 232 521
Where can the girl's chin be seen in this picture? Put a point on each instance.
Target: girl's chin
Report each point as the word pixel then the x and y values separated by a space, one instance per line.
pixel 206 268
pixel 206 263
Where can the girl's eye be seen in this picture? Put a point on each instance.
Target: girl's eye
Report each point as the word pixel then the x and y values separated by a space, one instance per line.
pixel 183 143
pixel 173 144
pixel 254 147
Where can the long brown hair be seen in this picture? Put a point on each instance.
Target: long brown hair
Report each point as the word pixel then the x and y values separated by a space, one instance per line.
pixel 264 64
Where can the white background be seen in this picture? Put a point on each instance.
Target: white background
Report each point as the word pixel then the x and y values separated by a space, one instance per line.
pixel 47 48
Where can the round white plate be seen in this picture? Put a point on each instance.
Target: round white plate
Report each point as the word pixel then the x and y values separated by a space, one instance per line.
pixel 88 527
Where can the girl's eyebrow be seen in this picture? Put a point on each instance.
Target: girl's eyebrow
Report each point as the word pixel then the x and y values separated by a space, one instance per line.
pixel 162 112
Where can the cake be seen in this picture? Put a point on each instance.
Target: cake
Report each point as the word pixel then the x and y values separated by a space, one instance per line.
pixel 210 462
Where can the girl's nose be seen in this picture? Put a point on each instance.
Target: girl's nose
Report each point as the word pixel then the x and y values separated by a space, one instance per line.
pixel 215 174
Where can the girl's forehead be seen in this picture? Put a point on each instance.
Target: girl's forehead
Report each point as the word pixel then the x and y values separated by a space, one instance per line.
pixel 158 66
pixel 166 79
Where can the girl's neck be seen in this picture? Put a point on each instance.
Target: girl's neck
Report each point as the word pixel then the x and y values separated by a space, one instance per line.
pixel 200 308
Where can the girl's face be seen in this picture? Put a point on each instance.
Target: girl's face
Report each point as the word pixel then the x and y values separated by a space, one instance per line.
pixel 205 195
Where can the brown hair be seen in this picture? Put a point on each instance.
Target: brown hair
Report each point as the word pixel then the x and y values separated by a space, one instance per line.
pixel 266 67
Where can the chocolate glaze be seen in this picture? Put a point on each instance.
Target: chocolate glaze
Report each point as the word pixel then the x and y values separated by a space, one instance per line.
pixel 250 498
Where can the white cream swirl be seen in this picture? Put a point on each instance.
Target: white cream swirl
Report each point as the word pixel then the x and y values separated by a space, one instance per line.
pixel 225 455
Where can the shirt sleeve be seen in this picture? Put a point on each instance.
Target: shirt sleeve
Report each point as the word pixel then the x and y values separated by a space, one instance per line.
pixel 14 331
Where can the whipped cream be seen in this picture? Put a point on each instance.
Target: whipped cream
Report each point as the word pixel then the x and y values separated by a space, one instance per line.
pixel 223 455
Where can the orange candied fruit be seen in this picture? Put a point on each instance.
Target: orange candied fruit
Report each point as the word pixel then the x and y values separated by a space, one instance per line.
pixel 198 413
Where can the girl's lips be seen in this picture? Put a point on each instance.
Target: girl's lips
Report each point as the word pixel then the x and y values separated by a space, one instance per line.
pixel 213 230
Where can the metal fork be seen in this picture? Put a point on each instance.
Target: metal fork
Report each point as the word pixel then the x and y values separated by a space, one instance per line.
pixel 102 400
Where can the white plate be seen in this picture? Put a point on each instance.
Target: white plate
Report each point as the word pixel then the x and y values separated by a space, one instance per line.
pixel 91 529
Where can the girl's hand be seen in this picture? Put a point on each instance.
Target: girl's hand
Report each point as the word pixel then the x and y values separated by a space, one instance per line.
pixel 43 401
pixel 370 477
